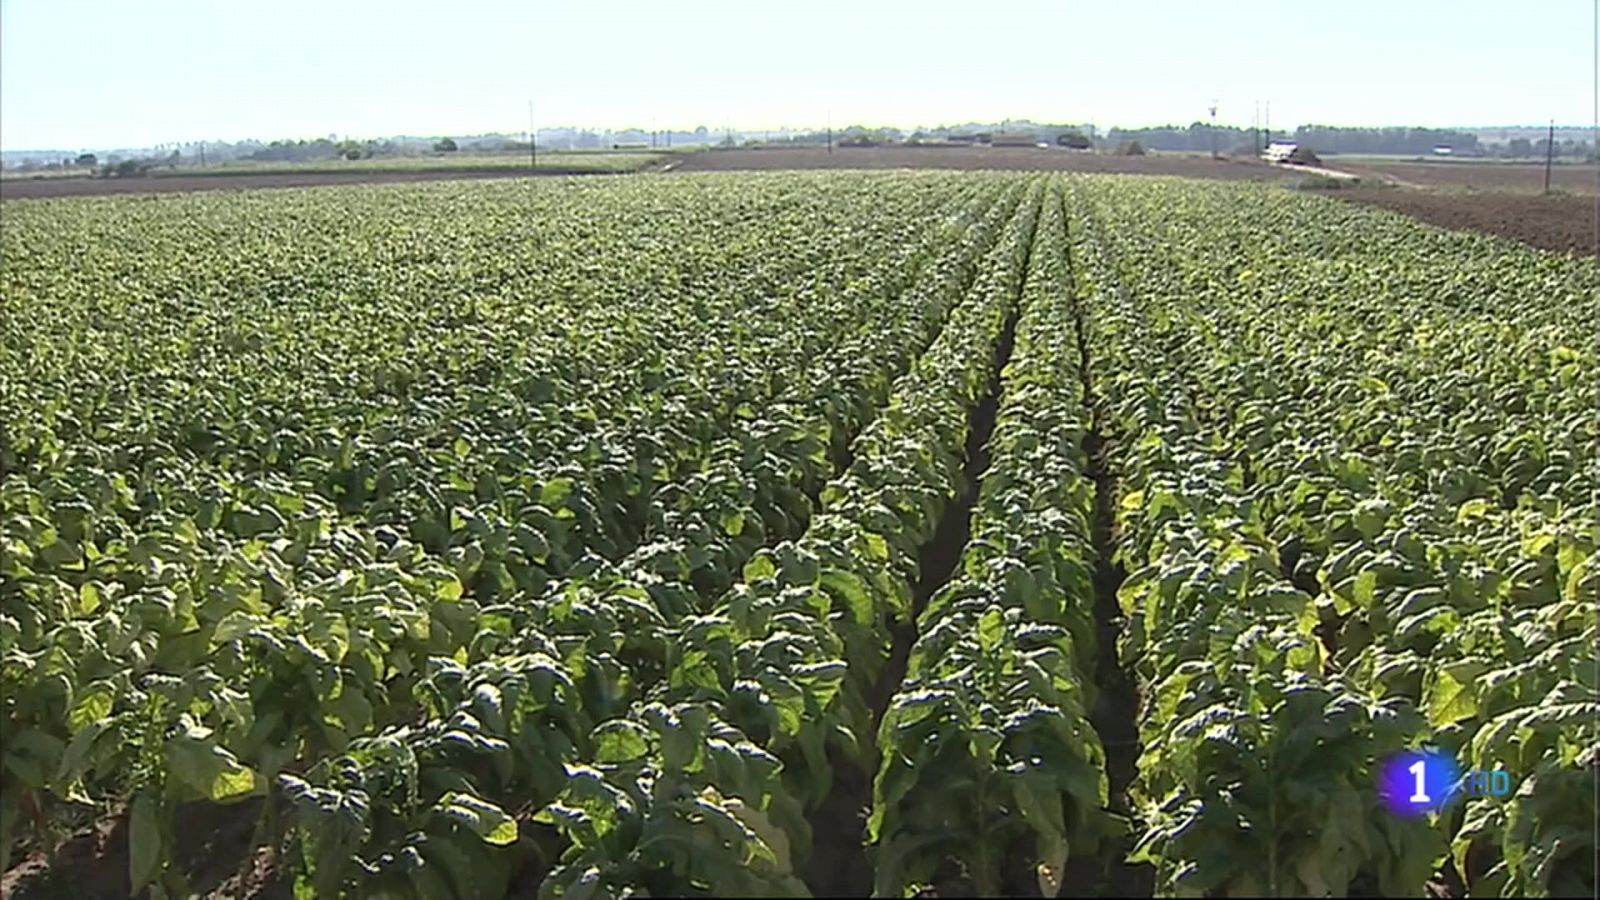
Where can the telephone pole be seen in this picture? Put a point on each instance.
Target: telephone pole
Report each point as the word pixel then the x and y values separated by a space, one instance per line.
pixel 533 141
pixel 1549 154
pixel 1213 109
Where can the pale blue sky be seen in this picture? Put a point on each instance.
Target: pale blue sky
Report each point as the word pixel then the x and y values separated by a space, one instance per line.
pixel 84 74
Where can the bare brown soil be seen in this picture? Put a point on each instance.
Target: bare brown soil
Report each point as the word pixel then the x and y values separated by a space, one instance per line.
pixel 973 158
pixel 961 158
pixel 92 863
pixel 1562 223
pixel 1477 176
pixel 19 189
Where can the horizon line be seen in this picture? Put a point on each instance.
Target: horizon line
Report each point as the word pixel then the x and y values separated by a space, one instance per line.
pixel 783 128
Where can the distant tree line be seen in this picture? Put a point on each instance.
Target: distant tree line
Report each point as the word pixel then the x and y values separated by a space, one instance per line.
pixel 319 149
pixel 1327 139
pixel 1523 148
pixel 1331 139
pixel 1196 138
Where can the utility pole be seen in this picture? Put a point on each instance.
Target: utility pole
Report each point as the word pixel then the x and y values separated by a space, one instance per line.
pixel 830 132
pixel 533 142
pixel 202 154
pixel 1213 108
pixel 1549 154
pixel 1269 122
pixel 1255 129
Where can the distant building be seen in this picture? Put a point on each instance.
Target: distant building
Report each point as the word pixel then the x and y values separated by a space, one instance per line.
pixel 1279 151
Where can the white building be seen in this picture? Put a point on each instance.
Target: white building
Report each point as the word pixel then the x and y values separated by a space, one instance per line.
pixel 1279 151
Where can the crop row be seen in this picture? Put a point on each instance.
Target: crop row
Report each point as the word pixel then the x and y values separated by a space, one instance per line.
pixel 427 377
pixel 289 623
pixel 598 539
pixel 762 670
pixel 666 690
pixel 988 756
pixel 1337 547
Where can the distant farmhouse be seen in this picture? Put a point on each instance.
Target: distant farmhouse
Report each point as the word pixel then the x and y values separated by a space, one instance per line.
pixel 1279 151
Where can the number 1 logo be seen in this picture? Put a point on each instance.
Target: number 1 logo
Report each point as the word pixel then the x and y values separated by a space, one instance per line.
pixel 1418 782
pixel 1419 771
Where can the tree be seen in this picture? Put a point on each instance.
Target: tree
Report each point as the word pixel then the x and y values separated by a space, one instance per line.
pixel 1520 147
pixel 1304 156
pixel 445 145
pixel 87 159
pixel 128 168
pixel 1074 140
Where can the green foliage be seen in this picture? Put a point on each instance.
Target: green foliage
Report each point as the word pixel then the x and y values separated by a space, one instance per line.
pixel 410 544
pixel 987 746
pixel 1358 515
pixel 477 531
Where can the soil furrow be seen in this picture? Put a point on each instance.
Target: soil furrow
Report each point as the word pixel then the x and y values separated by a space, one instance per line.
pixel 1115 715
pixel 839 865
pixel 842 453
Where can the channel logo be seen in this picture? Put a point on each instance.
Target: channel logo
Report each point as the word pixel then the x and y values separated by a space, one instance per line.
pixel 1419 782
pixel 1424 781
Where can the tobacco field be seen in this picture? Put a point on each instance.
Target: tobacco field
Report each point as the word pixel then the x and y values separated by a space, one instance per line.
pixel 789 534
